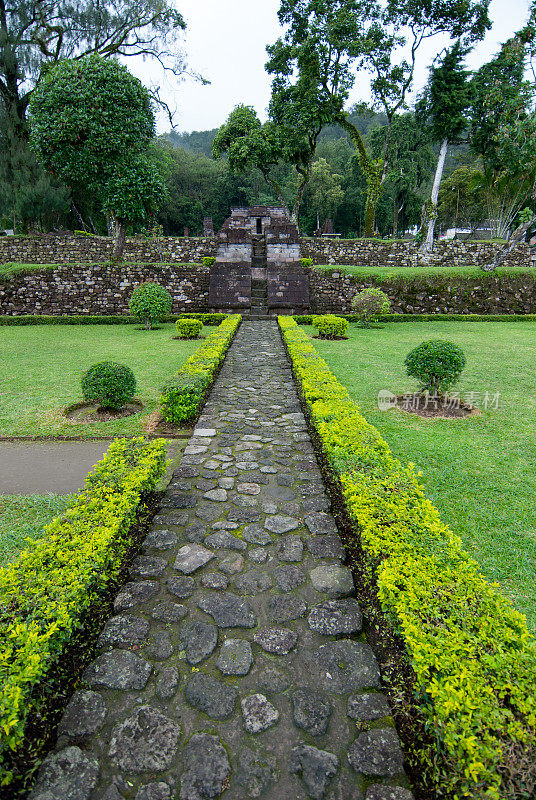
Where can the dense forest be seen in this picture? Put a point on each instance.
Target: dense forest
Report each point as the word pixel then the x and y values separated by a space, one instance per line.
pixel 200 186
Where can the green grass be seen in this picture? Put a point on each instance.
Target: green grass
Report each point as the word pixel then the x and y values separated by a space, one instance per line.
pixel 419 272
pixel 479 471
pixel 23 518
pixel 42 367
pixel 10 268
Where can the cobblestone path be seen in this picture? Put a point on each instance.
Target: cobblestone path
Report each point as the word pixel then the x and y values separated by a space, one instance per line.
pixel 235 663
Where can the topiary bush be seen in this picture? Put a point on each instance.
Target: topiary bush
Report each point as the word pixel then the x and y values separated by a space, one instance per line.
pixel 371 304
pixel 150 303
pixel 437 364
pixel 208 261
pixel 110 384
pixel 330 326
pixel 306 262
pixel 188 328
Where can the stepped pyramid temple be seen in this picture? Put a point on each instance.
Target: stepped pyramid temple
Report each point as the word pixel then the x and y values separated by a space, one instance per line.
pixel 257 264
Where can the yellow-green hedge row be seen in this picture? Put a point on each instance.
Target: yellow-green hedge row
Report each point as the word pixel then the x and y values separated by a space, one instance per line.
pixel 183 395
pixel 45 593
pixel 473 657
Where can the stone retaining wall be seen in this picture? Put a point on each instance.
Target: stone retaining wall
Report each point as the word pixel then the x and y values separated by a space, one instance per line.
pixel 99 289
pixel 361 252
pixel 333 291
pixel 374 253
pixel 106 289
pixel 94 249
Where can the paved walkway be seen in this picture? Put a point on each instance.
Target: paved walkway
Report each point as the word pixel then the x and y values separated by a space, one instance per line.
pixel 57 467
pixel 235 663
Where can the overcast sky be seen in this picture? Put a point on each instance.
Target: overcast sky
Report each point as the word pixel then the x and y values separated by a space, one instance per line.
pixel 226 42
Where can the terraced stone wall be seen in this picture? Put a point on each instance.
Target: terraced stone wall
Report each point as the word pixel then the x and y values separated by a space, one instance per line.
pixel 333 291
pixel 361 252
pixel 99 289
pixel 377 253
pixel 94 249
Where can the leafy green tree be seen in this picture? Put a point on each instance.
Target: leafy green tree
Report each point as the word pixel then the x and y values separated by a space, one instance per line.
pixel 410 157
pixel 444 104
pixel 325 192
pixel 91 125
pixel 462 199
pixel 503 130
pixel 283 139
pixel 328 42
pixel 30 197
pixel 37 33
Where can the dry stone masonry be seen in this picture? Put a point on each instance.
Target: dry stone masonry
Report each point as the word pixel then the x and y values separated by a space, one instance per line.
pixel 86 249
pixel 100 289
pixel 401 253
pixel 235 664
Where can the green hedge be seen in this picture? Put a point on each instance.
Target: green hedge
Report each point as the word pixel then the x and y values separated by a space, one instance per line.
pixel 47 591
pixel 307 319
pixel 183 395
pixel 101 319
pixel 474 659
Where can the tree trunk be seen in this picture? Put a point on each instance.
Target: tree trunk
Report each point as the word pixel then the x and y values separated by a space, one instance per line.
pixel 517 237
pixel 374 170
pixel 120 237
pixel 78 215
pixel 428 244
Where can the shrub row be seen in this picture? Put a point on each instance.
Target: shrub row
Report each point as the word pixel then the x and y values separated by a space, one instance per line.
pixel 46 592
pixel 307 319
pixel 473 658
pixel 183 395
pixel 101 319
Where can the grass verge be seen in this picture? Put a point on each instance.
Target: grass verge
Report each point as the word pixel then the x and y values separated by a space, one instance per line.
pixel 42 367
pixel 365 272
pixel 22 520
pixel 478 471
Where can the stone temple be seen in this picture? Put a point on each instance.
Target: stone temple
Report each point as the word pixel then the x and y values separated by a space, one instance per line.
pixel 257 267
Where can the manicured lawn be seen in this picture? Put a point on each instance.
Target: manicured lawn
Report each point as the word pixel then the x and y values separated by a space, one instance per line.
pixel 42 367
pixel 479 471
pixel 23 518
pixel 415 272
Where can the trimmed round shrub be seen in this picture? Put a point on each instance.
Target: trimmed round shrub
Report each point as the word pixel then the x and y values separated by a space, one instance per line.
pixel 110 384
pixel 330 326
pixel 370 305
pixel 188 328
pixel 306 262
pixel 437 364
pixel 150 303
pixel 208 261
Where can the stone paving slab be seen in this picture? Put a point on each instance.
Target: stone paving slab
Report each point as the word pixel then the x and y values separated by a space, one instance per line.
pixel 236 663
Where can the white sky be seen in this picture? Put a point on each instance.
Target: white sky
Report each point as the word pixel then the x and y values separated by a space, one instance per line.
pixel 226 41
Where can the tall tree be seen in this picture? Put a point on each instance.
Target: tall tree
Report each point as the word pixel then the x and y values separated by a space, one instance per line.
pixel 503 129
pixel 328 42
pixel 250 144
pixel 36 33
pixel 29 196
pixel 325 192
pixel 91 125
pixel 444 104
pixel 410 158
